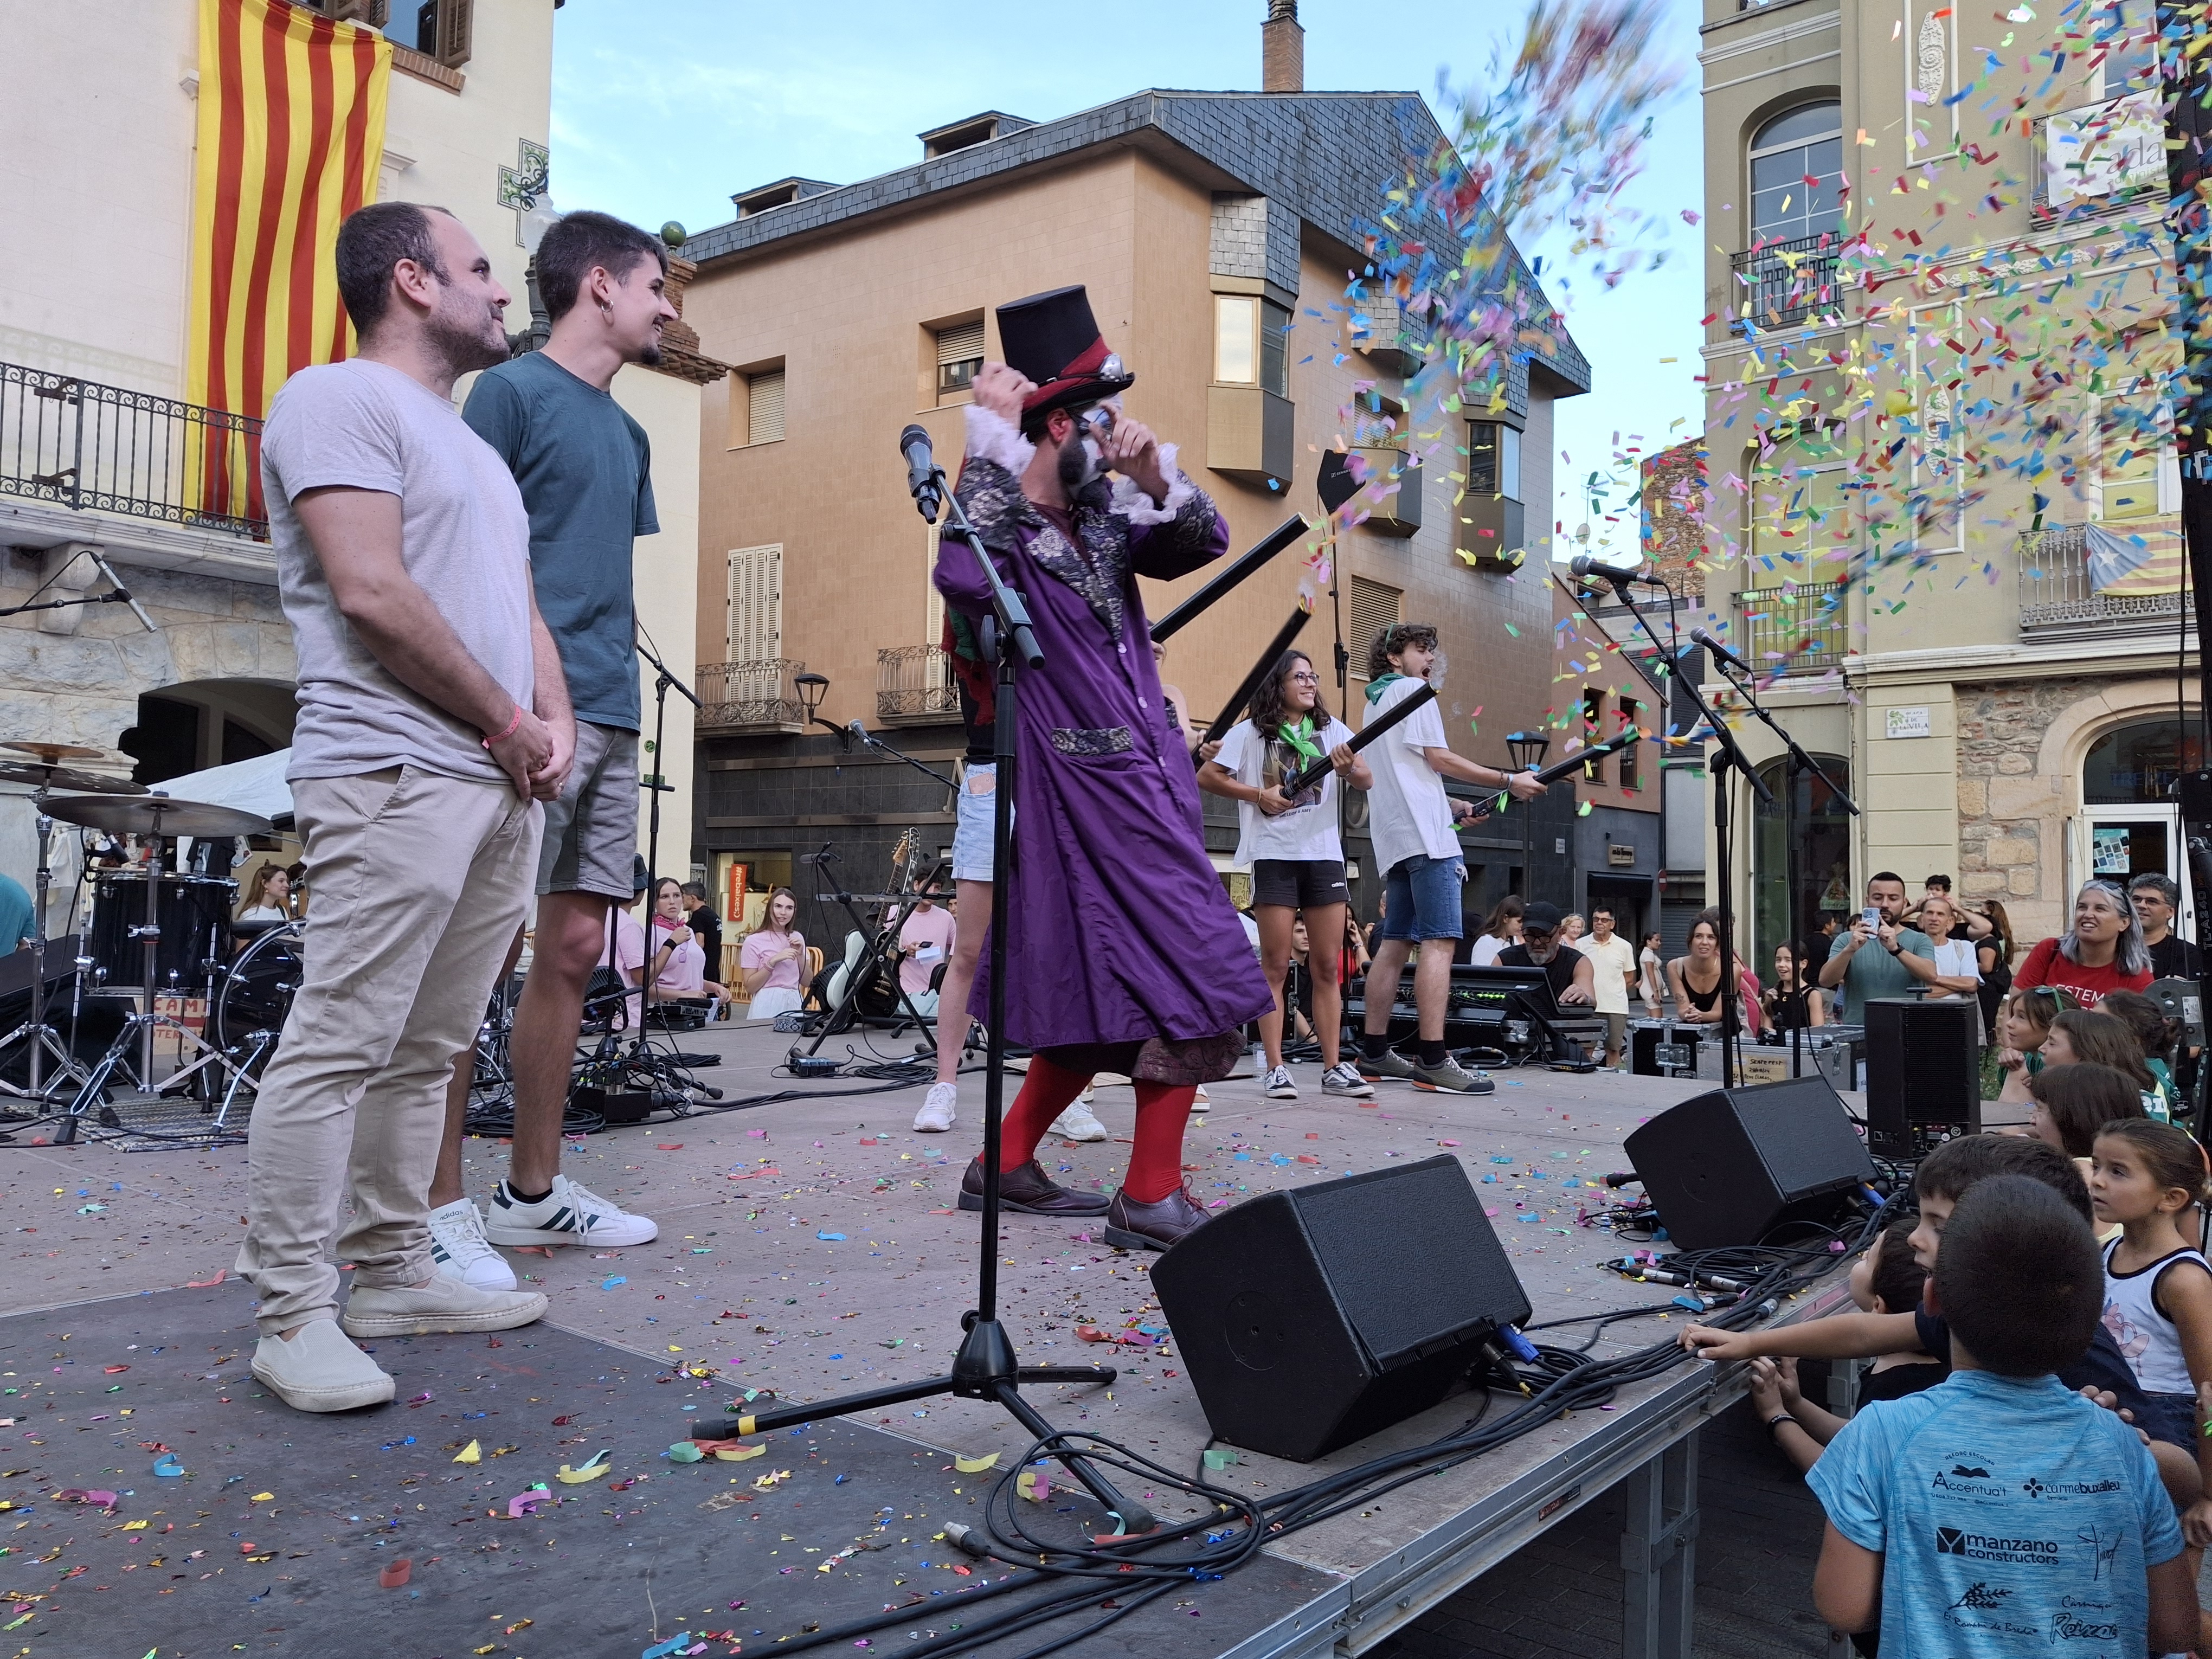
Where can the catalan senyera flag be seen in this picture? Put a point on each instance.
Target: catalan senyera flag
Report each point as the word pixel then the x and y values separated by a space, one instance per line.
pixel 291 135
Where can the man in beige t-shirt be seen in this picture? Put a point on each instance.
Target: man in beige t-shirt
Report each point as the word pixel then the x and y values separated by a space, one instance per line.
pixel 1613 970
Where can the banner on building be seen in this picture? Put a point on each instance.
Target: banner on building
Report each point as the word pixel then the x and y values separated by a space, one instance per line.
pixel 291 135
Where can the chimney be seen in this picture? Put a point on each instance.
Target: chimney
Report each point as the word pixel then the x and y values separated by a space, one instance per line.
pixel 1282 49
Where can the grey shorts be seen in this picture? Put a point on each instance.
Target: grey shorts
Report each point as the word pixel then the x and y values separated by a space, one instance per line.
pixel 972 830
pixel 591 831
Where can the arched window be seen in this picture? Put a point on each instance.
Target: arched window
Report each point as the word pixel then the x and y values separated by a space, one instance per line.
pixel 1800 144
pixel 1823 833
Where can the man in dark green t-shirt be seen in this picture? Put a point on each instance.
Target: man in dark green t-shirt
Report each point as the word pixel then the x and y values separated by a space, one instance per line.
pixel 585 470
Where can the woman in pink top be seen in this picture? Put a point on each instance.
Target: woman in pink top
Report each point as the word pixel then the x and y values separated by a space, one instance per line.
pixel 770 960
pixel 679 962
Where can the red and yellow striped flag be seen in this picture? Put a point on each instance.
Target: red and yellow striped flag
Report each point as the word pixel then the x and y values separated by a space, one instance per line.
pixel 291 135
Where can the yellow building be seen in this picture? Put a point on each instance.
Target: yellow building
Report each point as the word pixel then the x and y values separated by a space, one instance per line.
pixel 1942 500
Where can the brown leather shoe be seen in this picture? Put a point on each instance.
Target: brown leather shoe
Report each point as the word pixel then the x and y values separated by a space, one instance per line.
pixel 1029 1190
pixel 1135 1227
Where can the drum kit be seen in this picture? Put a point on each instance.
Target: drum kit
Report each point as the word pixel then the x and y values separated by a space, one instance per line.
pixel 153 934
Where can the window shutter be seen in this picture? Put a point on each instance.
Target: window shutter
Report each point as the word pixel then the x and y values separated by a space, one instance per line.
pixel 375 13
pixel 933 612
pixel 959 341
pixel 1374 608
pixel 456 22
pixel 764 395
pixel 755 632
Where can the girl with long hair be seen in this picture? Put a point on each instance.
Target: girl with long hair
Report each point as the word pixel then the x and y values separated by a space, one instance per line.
pixel 268 895
pixel 1795 1002
pixel 1500 928
pixel 1291 846
pixel 772 960
pixel 678 962
pixel 1694 980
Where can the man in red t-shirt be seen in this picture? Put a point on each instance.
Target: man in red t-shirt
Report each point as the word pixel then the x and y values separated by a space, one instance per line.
pixel 2104 953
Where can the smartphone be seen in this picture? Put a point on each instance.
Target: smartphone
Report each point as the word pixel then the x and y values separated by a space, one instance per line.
pixel 1872 916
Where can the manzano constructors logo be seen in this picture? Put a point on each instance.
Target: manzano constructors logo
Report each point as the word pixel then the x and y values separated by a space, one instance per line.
pixel 1982 1547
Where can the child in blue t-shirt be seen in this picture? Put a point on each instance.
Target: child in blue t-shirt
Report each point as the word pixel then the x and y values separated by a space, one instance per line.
pixel 1999 1513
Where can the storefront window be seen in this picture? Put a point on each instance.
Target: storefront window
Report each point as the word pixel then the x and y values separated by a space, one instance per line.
pixel 2138 762
pixel 1824 863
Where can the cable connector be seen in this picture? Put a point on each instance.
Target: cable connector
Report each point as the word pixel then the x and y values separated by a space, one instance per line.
pixel 966 1540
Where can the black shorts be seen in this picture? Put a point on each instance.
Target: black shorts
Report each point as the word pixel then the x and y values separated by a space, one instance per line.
pixel 1299 884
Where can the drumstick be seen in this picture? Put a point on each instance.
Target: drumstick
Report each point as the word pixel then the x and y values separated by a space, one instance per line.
pixel 1271 544
pixel 1260 669
pixel 1313 771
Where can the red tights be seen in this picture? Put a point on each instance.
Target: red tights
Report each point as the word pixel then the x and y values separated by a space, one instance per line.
pixel 1156 1160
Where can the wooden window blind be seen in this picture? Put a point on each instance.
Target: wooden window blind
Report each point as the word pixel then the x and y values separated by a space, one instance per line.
pixel 764 407
pixel 754 631
pixel 1374 608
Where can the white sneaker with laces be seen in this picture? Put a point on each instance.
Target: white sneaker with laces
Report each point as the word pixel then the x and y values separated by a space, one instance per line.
pixel 1344 1078
pixel 1278 1083
pixel 569 1214
pixel 458 1245
pixel 938 1109
pixel 1079 1122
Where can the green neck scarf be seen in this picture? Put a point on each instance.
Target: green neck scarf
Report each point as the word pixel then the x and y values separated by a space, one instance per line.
pixel 1300 738
pixel 1380 683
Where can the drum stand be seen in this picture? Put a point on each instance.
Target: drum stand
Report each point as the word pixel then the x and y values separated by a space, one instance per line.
pixel 141 1026
pixel 45 1040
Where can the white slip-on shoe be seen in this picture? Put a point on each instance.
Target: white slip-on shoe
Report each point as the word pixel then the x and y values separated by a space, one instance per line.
pixel 569 1214
pixel 938 1109
pixel 445 1303
pixel 458 1245
pixel 1079 1122
pixel 319 1370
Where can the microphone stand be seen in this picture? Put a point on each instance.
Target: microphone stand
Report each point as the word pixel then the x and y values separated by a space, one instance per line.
pixel 984 1367
pixel 657 786
pixel 1731 755
pixel 1802 765
pixel 883 746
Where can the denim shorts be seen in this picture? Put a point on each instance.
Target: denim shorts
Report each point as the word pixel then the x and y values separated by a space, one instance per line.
pixel 971 832
pixel 2170 1418
pixel 1421 898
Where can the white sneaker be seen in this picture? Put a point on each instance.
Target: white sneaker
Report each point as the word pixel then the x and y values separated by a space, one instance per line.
pixel 319 1370
pixel 444 1304
pixel 1079 1122
pixel 937 1111
pixel 1199 1096
pixel 1278 1083
pixel 569 1214
pixel 1344 1078
pixel 458 1245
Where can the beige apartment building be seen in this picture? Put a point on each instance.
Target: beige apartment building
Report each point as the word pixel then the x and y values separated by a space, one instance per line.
pixel 1217 234
pixel 1939 496
pixel 98 438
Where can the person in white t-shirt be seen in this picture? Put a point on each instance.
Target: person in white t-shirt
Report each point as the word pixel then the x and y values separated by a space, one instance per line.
pixel 1613 969
pixel 1410 826
pixel 1291 848
pixel 1500 928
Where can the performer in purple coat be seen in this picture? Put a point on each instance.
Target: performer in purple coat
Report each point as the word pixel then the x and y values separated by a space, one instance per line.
pixel 1126 955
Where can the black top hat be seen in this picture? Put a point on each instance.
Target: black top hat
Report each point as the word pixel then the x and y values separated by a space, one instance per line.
pixel 1053 339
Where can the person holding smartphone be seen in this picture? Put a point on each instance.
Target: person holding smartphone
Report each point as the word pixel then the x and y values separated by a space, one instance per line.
pixel 1863 964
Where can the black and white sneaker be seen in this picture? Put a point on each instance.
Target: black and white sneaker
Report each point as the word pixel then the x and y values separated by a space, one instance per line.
pixel 1279 1084
pixel 569 1214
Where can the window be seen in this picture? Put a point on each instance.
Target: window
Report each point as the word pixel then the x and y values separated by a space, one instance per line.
pixel 1374 608
pixel 764 406
pixel 1250 343
pixel 755 629
pixel 959 355
pixel 1493 461
pixel 1631 717
pixel 2122 53
pixel 1593 732
pixel 1377 422
pixel 1805 143
pixel 2138 474
pixel 1797 506
pixel 442 28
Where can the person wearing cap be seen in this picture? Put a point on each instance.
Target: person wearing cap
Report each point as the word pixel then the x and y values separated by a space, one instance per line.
pixel 1544 944
pixel 1126 955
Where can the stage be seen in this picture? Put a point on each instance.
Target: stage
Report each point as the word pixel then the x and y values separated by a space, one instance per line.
pixel 809 1247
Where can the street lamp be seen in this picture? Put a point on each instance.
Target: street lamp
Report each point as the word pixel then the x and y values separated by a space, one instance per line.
pixel 1527 749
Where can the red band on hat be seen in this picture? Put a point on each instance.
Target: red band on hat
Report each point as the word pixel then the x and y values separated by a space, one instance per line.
pixel 1084 367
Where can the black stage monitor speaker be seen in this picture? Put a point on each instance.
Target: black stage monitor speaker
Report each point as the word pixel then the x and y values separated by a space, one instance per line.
pixel 1922 1069
pixel 1312 1318
pixel 1729 1166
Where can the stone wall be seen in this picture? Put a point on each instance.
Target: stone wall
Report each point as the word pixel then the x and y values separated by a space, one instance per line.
pixel 2012 817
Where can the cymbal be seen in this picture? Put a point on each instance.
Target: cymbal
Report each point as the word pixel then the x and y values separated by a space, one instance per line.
pixel 62 777
pixel 51 752
pixel 148 815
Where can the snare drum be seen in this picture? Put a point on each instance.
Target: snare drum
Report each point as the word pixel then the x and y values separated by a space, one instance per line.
pixel 194 915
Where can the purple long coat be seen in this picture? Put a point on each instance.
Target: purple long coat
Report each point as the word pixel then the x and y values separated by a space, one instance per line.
pixel 1121 929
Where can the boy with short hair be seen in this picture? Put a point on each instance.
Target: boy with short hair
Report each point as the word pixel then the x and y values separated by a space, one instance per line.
pixel 2000 1510
pixel 1410 827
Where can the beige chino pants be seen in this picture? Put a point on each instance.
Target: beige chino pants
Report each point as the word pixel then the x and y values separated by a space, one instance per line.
pixel 419 883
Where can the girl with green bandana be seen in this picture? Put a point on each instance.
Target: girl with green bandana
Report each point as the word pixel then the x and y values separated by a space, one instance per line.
pixel 1291 846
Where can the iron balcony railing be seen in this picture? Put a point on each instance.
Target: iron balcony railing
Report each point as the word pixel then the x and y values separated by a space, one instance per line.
pixel 1800 629
pixel 759 696
pixel 107 449
pixel 2057 590
pixel 1785 282
pixel 914 683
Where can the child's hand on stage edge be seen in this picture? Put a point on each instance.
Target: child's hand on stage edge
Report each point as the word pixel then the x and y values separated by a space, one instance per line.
pixel 1707 1343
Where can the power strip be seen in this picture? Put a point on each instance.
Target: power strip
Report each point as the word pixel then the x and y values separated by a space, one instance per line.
pixel 812 1066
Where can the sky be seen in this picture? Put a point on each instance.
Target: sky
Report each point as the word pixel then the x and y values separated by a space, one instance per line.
pixel 662 108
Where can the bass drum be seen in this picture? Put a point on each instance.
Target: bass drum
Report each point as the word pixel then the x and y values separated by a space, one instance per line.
pixel 257 993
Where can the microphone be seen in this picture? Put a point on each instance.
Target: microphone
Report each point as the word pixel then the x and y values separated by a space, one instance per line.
pixel 1719 648
pixel 122 593
pixel 859 729
pixel 920 473
pixel 1588 564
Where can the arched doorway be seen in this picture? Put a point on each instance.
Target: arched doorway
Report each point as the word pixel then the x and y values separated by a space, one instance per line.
pixel 197 724
pixel 1823 830
pixel 2129 822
